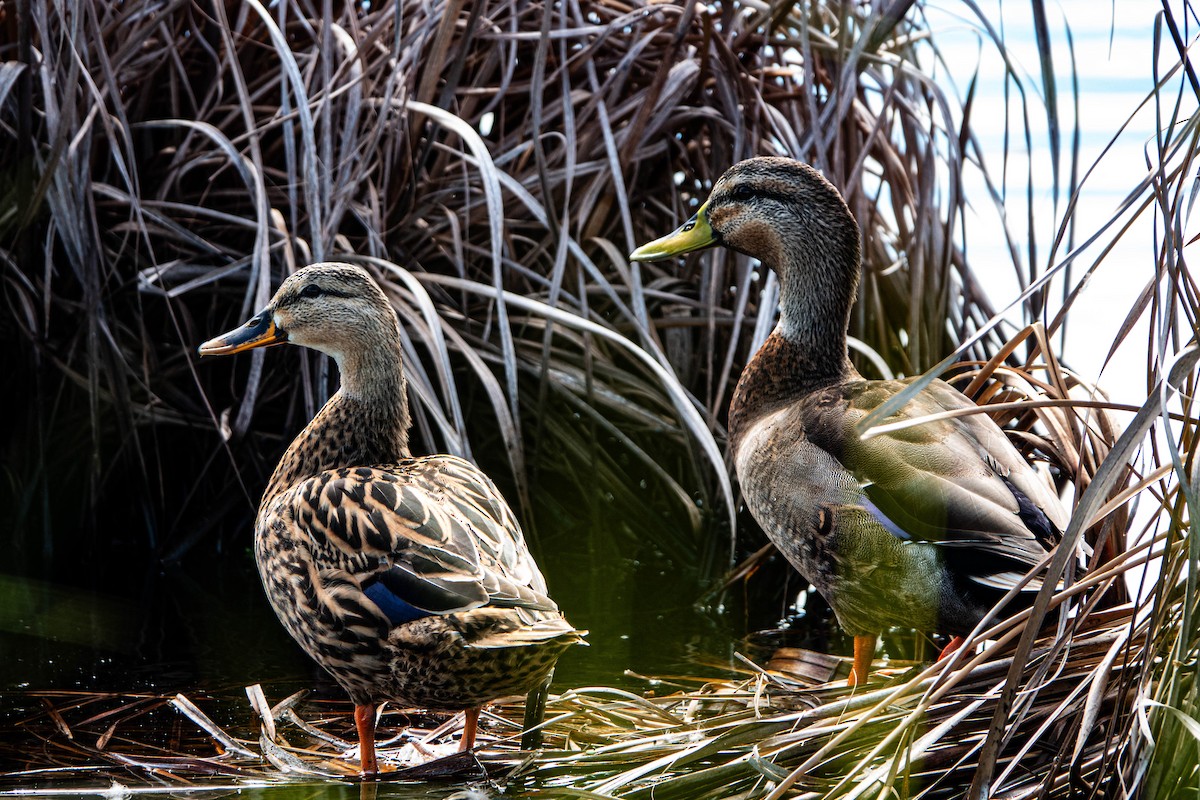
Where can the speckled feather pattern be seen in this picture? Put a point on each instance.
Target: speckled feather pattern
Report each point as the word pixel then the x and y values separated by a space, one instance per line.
pixel 348 506
pixel 319 540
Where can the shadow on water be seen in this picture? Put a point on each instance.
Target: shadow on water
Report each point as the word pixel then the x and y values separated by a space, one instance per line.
pixel 89 675
pixel 98 638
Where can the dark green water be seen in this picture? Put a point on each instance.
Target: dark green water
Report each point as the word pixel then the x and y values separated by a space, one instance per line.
pixel 119 606
pixel 207 631
pixel 175 630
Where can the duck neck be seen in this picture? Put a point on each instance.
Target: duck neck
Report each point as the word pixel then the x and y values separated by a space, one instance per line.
pixel 365 423
pixel 815 296
pixel 807 349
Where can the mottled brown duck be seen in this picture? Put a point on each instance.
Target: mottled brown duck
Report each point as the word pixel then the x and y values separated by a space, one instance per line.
pixel 926 527
pixel 407 578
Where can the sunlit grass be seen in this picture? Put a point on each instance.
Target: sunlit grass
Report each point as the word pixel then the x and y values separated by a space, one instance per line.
pixel 493 164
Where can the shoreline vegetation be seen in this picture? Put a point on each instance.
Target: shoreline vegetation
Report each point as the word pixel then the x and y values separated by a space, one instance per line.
pixel 492 163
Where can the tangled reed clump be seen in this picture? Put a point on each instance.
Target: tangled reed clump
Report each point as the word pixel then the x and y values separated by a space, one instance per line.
pixel 164 163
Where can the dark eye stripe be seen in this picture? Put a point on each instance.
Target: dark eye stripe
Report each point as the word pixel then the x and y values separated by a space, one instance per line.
pixel 330 293
pixel 325 292
pixel 744 193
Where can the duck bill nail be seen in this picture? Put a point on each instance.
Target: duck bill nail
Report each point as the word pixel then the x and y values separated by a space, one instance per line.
pixel 260 331
pixel 695 234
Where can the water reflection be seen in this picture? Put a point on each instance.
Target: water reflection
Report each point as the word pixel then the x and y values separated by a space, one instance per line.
pixel 208 635
pixel 205 629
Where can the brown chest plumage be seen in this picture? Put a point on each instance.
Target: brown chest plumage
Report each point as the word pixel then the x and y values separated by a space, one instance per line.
pixel 408 579
pixel 925 526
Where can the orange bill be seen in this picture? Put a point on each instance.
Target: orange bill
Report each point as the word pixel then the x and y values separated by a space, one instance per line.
pixel 260 331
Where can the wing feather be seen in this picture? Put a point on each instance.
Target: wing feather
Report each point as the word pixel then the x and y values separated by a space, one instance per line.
pixel 957 482
pixel 424 536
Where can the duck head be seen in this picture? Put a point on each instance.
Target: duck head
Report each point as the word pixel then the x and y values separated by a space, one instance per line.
pixel 337 309
pixel 784 213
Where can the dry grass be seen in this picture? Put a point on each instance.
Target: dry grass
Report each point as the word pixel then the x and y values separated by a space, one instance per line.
pixel 493 162
pixel 180 160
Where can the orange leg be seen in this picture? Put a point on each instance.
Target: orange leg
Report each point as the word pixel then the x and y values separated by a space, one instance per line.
pixel 364 720
pixel 470 726
pixel 953 645
pixel 864 654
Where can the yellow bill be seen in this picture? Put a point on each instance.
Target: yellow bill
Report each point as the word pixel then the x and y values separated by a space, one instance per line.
pixel 695 234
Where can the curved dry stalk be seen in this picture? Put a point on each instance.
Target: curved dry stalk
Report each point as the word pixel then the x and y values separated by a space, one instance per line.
pixel 494 162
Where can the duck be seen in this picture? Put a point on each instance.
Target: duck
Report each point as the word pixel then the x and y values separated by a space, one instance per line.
pixel 406 577
pixel 927 526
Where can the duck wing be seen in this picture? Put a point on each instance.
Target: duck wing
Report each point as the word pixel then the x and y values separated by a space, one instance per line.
pixel 958 482
pixel 426 536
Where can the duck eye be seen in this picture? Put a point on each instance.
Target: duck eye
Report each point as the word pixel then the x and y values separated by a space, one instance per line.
pixel 311 290
pixel 742 192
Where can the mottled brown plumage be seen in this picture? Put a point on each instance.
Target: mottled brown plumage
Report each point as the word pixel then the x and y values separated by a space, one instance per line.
pixel 924 527
pixel 407 578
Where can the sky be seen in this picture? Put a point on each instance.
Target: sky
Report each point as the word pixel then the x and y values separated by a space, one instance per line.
pixel 1113 54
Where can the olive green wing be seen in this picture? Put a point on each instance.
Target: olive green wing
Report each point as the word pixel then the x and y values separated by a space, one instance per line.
pixel 955 482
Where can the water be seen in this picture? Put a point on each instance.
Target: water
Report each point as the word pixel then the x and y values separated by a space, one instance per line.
pixel 133 627
pixel 121 622
pixel 1112 59
pixel 207 631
